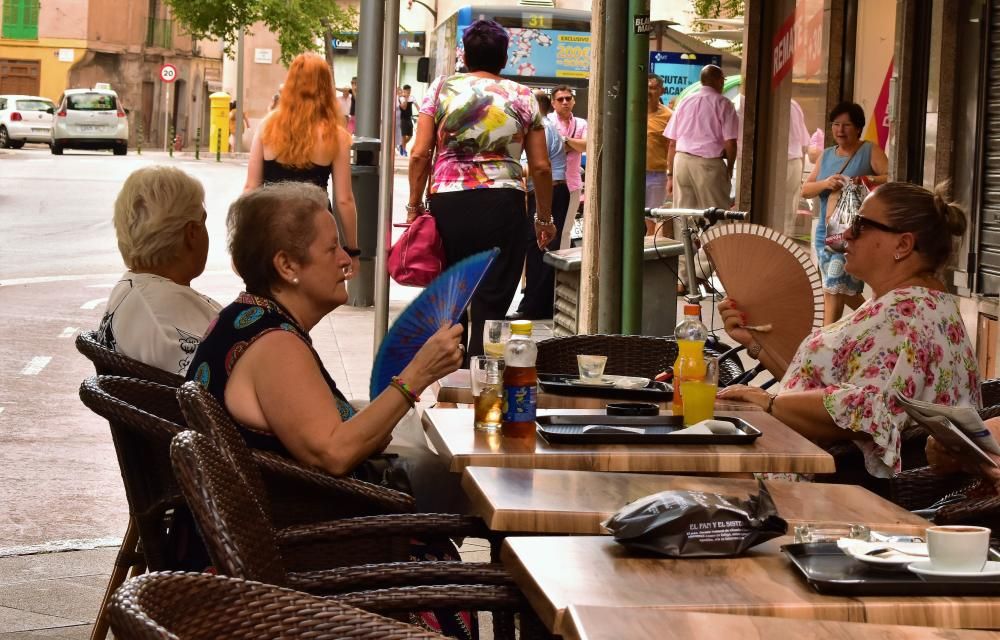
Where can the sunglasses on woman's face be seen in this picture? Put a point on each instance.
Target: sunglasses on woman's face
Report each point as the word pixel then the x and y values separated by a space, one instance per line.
pixel 859 222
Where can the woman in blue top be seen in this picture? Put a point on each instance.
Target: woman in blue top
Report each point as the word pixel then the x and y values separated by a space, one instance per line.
pixel 851 158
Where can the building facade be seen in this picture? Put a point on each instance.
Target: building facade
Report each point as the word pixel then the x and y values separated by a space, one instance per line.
pixel 48 47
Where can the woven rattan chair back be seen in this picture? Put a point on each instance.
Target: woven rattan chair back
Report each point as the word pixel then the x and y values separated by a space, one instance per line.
pixel 143 417
pixel 236 530
pixel 644 356
pixel 107 362
pixel 289 492
pixel 198 606
pixel 205 415
pixel 990 390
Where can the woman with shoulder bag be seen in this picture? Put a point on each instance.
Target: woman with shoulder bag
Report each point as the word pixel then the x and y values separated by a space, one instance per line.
pixel 477 124
pixel 851 158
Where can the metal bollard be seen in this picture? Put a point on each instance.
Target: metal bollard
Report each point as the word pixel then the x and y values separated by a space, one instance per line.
pixel 218 145
pixel 197 144
pixel 173 140
pixel 138 140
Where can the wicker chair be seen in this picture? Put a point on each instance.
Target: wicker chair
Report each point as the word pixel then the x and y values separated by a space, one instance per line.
pixel 990 392
pixel 198 606
pixel 107 362
pixel 144 417
pixel 242 542
pixel 291 493
pixel 644 356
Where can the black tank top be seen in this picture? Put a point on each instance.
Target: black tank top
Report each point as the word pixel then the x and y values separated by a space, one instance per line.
pixel 318 175
pixel 241 323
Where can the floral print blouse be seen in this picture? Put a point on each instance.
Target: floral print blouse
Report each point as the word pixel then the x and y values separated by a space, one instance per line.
pixel 481 125
pixel 911 339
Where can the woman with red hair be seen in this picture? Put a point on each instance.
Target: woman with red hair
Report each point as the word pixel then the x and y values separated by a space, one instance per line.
pixel 303 140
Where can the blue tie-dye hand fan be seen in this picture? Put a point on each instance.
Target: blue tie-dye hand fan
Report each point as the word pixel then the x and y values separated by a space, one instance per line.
pixel 442 303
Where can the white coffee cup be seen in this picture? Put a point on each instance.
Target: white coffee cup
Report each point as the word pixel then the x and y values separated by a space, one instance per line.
pixel 959 548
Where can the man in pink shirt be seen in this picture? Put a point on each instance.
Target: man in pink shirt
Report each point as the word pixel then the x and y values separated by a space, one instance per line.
pixel 574 134
pixel 702 153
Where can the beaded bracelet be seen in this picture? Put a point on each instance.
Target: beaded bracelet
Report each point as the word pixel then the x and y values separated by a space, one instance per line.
pixel 404 389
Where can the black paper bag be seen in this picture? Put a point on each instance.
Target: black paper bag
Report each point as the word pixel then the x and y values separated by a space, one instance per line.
pixel 692 524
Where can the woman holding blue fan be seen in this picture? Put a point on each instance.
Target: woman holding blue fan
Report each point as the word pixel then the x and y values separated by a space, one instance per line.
pixel 258 361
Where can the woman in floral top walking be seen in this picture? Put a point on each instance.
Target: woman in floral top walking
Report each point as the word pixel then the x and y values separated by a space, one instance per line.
pixel 478 123
pixel 909 337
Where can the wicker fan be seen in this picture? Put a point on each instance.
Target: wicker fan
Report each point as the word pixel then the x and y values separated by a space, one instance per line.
pixel 773 280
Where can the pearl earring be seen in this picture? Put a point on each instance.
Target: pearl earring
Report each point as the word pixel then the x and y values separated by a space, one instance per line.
pixel 296 280
pixel 896 257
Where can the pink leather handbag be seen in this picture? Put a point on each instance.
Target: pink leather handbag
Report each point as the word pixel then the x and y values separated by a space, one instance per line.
pixel 418 255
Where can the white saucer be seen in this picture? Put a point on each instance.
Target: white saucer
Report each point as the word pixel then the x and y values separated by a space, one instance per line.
pixel 923 568
pixel 603 382
pixel 892 560
pixel 628 382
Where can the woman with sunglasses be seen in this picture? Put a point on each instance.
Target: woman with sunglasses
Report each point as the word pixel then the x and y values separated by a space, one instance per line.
pixel 850 159
pixel 909 337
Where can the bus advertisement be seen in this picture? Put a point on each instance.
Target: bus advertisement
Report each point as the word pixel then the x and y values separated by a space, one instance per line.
pixel 548 47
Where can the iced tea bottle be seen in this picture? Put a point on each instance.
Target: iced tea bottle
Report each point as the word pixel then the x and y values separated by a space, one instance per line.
pixel 520 382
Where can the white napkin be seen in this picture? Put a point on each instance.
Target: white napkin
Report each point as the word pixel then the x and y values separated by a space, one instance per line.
pixel 709 428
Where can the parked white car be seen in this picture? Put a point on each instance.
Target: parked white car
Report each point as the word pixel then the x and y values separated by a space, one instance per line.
pixel 90 119
pixel 25 119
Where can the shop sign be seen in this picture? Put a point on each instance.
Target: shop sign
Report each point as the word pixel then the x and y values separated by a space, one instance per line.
pixel 679 70
pixel 783 51
pixel 262 56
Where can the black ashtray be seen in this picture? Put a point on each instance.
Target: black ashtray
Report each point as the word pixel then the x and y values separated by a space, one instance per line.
pixel 633 409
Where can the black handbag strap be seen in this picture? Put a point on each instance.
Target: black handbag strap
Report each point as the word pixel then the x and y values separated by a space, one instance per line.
pixel 851 157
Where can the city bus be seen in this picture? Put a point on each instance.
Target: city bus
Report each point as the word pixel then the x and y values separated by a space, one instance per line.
pixel 548 47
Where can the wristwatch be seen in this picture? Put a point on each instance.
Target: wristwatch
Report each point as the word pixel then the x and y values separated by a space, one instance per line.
pixel 354 253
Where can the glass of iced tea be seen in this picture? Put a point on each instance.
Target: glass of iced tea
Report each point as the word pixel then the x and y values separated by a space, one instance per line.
pixel 496 333
pixel 487 390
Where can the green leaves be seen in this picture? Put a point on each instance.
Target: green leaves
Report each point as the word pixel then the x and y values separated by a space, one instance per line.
pixel 299 24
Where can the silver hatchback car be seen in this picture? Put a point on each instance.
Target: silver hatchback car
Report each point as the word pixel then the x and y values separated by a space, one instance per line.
pixel 90 119
pixel 24 119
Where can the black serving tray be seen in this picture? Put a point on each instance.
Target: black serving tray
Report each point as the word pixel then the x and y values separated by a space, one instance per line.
pixel 831 571
pixel 569 429
pixel 555 383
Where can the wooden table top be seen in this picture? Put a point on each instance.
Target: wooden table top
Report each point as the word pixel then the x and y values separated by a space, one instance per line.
pixel 556 572
pixel 576 502
pixel 779 449
pixel 641 623
pixel 455 389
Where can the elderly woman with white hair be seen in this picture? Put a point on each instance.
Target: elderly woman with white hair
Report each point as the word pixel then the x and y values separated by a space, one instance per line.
pixel 153 314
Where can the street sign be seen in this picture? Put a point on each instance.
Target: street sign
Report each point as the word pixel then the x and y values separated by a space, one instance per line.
pixel 168 73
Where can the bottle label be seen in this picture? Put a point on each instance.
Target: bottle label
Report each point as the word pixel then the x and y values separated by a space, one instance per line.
pixel 519 403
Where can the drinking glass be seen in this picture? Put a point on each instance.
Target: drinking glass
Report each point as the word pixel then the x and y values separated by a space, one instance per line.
pixel 699 395
pixel 486 374
pixel 496 333
pixel 591 368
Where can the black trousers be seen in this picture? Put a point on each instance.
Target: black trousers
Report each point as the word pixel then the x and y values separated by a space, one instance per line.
pixel 478 220
pixel 540 278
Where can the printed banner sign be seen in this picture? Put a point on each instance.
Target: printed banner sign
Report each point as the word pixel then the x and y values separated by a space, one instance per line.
pixel 679 70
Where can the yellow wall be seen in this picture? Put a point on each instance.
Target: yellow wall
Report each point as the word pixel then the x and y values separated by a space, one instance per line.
pixel 53 73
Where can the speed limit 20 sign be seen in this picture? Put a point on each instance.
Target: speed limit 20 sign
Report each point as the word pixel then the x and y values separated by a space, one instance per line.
pixel 168 73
